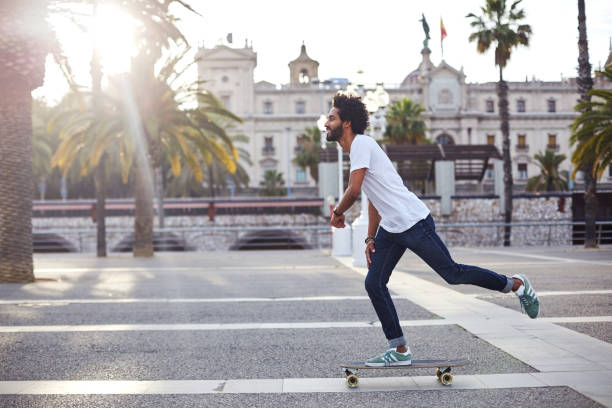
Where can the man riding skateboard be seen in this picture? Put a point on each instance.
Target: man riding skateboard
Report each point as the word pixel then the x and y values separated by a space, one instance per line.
pixel 399 220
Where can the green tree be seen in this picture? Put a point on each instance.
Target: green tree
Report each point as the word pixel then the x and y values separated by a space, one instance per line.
pixel 186 184
pixel 405 123
pixel 307 157
pixel 141 118
pixel 587 160
pixel 272 184
pixel 550 178
pixel 500 25
pixel 592 131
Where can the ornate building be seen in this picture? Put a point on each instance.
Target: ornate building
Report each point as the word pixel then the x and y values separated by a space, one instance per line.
pixel 457 112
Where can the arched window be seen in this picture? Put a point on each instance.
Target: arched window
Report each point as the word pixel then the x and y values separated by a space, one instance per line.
pixel 304 77
pixel 445 139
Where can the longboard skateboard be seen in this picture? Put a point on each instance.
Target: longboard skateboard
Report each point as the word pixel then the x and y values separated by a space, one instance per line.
pixel 443 369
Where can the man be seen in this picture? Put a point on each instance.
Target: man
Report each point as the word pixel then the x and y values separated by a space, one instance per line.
pixel 398 220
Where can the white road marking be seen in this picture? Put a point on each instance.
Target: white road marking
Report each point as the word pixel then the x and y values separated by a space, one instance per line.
pixel 302 385
pixel 180 268
pixel 210 326
pixel 547 293
pixel 51 302
pixel 548 258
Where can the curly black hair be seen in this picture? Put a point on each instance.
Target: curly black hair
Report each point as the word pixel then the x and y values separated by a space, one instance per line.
pixel 351 108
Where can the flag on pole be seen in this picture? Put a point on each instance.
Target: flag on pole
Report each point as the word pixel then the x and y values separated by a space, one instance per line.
pixel 442 29
pixel 442 36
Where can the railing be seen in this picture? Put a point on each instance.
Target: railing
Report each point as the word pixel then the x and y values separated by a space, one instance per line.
pixel 318 236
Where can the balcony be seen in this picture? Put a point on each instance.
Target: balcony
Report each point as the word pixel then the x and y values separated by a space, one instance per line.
pixel 522 148
pixel 552 147
pixel 268 151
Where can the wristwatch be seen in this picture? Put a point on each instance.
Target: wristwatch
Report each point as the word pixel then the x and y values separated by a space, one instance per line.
pixel 335 213
pixel 369 238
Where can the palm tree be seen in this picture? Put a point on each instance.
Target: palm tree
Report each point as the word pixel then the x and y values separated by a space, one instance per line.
pixel 141 118
pixel 308 154
pixel 186 184
pixel 273 184
pixel 549 179
pixel 406 126
pixel 500 25
pixel 592 131
pixel 585 84
pixel 25 43
pixel 405 123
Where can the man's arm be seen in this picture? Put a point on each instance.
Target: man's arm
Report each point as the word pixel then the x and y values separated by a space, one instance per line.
pixel 351 194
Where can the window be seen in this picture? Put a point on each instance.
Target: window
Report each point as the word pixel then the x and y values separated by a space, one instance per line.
pixel 490 106
pixel 268 108
pixel 522 171
pixel 304 77
pixel 300 107
pixel 268 148
pixel 268 167
pixel 225 100
pixel 552 105
pixel 520 105
pixel 552 142
pixel 300 175
pixel 445 139
pixel 522 141
pixel 490 172
pixel 491 140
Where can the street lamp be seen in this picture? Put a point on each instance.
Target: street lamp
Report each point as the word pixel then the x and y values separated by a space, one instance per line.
pixel 375 103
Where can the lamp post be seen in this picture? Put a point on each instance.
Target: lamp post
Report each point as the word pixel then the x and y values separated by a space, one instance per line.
pixel 375 103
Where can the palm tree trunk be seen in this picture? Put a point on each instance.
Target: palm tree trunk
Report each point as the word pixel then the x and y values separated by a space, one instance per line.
pixel 143 212
pixel 159 188
pixel 100 171
pixel 504 116
pixel 16 190
pixel 585 83
pixel 100 184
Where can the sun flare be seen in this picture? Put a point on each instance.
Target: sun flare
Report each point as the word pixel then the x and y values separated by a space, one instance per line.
pixel 113 32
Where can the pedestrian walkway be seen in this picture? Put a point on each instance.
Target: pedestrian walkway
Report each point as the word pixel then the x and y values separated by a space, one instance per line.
pixel 120 328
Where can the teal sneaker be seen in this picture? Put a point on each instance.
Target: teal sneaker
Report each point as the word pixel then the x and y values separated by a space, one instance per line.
pixel 390 358
pixel 530 303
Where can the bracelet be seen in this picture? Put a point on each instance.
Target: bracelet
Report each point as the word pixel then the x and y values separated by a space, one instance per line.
pixel 336 214
pixel 369 238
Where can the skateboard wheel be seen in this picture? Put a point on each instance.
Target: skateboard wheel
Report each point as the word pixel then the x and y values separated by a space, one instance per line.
pixel 438 373
pixel 352 381
pixel 446 378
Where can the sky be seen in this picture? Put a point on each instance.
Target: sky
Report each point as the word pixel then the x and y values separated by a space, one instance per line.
pixel 382 38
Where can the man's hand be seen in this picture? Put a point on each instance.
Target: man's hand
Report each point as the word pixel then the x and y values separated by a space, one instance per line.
pixel 337 221
pixel 369 249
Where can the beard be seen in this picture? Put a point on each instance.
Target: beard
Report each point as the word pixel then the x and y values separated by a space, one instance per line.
pixel 334 134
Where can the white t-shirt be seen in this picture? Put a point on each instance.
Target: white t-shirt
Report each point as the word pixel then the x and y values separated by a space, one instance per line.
pixel 399 208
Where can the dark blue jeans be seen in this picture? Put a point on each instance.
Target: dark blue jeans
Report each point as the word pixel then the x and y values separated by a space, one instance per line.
pixel 423 240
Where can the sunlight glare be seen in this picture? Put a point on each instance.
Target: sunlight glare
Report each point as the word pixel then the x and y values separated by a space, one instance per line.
pixel 114 35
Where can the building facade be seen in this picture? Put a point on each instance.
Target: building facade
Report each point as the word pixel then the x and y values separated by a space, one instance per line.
pixel 456 112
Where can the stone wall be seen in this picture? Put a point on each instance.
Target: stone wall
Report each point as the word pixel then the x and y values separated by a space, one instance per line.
pixel 465 210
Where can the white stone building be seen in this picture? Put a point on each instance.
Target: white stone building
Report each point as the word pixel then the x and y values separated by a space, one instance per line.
pixel 456 111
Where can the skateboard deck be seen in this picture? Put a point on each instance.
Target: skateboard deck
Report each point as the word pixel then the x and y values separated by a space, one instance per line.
pixel 443 369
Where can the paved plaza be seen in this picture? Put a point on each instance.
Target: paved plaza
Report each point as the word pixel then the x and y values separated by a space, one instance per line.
pixel 270 329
